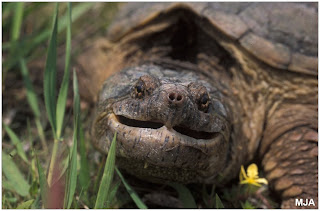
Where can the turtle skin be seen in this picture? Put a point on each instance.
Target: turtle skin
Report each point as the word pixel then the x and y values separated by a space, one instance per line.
pixel 261 58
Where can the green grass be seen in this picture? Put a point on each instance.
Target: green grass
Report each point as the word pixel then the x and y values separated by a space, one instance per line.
pixel 33 102
pixel 17 143
pixel 53 136
pixel 32 42
pixel 43 184
pixel 71 180
pixel 105 184
pixel 35 197
pixel 14 179
pixel 185 195
pixel 26 204
pixel 132 192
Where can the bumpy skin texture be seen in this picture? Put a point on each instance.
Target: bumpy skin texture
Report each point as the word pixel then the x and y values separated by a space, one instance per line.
pixel 171 124
pixel 260 57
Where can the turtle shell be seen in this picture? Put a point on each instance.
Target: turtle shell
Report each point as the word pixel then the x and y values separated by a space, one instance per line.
pixel 282 35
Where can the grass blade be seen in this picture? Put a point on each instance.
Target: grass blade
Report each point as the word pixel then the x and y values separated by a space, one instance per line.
pixel 15 29
pixel 33 101
pixel 72 176
pixel 77 12
pixel 219 204
pixel 26 204
pixel 16 180
pixel 71 179
pixel 62 98
pixel 84 174
pixel 247 205
pixel 50 75
pixel 107 176
pixel 16 142
pixel 208 198
pixel 36 203
pixel 99 174
pixel 41 134
pixel 185 195
pixel 112 194
pixel 43 183
pixel 41 36
pixel 132 193
pixel 31 95
pixel 17 20
pixel 6 185
pixel 76 102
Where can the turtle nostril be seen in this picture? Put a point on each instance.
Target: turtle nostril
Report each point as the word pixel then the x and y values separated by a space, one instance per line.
pixel 172 96
pixel 179 97
pixel 176 98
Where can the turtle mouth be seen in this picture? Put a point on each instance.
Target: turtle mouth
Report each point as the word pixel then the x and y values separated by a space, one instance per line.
pixel 155 144
pixel 156 125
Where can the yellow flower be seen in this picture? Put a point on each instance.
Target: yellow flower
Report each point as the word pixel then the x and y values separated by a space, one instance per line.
pixel 251 177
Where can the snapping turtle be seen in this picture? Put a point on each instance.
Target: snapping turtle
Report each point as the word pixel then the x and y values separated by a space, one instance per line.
pixel 195 90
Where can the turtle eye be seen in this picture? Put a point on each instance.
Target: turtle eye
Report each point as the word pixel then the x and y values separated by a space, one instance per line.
pixel 204 102
pixel 139 89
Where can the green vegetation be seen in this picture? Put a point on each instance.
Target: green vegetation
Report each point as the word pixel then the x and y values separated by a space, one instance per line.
pixel 105 184
pixel 47 158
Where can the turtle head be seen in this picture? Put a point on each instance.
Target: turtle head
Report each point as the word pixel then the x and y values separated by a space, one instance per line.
pixel 171 125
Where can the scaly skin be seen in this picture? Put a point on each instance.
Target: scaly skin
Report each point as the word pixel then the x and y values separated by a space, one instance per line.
pixel 171 124
pixel 156 151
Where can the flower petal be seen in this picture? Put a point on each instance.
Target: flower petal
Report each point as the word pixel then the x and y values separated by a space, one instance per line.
pixel 252 171
pixel 261 180
pixel 255 183
pixel 244 182
pixel 243 173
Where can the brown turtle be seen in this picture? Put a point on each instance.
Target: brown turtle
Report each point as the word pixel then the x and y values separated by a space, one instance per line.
pixel 199 89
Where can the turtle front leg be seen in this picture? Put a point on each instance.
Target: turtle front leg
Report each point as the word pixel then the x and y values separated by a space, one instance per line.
pixel 291 166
